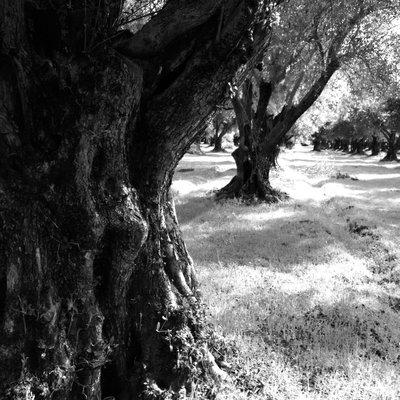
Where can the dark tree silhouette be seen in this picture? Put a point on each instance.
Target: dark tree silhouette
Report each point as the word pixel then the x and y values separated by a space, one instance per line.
pixel 222 123
pixel 97 290
pixel 303 55
pixel 390 128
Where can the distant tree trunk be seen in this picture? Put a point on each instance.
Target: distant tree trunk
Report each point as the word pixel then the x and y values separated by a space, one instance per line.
pixel 220 134
pixel 222 123
pixel 345 145
pixel 352 146
pixel 375 146
pixel 253 165
pixel 218 143
pixel 97 290
pixel 317 144
pixel 391 154
pixel 336 144
pixel 261 135
pixel 358 146
pixel 252 178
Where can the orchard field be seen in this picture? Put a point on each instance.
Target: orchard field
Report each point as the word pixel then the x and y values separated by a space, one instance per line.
pixel 307 289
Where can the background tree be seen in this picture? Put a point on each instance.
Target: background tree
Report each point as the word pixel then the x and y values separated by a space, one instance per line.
pixel 303 56
pixel 223 121
pixel 320 139
pixel 371 74
pixel 364 133
pixel 97 290
pixel 390 128
pixel 364 129
pixel 353 134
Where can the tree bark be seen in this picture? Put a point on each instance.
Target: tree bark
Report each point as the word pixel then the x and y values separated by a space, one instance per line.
pixel 218 143
pixel 391 154
pixel 97 290
pixel 220 132
pixel 317 145
pixel 357 146
pixel 375 146
pixel 345 145
pixel 253 164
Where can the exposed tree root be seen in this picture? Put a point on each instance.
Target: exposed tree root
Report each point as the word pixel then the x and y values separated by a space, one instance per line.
pixel 231 190
pixel 250 192
pixel 212 369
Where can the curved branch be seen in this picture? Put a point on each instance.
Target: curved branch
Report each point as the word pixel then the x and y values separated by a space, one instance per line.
pixel 289 115
pixel 176 18
pixel 290 95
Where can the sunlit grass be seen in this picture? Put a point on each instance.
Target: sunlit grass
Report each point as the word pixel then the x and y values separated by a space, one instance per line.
pixel 308 304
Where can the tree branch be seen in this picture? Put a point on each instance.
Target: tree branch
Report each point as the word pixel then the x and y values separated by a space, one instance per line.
pixel 266 89
pixel 317 40
pixel 173 20
pixel 289 115
pixel 290 95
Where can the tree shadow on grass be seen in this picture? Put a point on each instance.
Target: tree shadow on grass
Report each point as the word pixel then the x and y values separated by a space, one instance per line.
pixel 324 342
pixel 278 242
pixel 210 173
pixel 323 339
pixel 193 208
pixel 371 189
pixel 378 168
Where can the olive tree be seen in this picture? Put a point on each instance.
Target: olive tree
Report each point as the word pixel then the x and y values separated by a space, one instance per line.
pixel 98 295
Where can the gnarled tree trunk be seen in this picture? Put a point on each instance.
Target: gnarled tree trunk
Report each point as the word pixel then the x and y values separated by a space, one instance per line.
pixel 262 134
pixel 317 145
pixel 218 141
pixel 392 147
pixel 221 129
pixel 254 160
pixel 375 146
pixel 97 290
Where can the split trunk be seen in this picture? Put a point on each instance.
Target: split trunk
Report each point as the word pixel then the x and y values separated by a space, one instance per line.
pixel 262 133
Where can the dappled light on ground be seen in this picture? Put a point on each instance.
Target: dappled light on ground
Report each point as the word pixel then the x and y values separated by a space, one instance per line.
pixel 307 288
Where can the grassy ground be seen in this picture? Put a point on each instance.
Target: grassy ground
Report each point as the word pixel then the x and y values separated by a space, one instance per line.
pixel 308 290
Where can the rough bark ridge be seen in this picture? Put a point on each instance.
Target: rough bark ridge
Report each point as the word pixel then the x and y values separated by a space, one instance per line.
pixel 221 127
pixel 97 291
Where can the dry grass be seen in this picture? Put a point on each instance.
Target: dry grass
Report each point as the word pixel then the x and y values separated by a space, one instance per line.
pixel 310 302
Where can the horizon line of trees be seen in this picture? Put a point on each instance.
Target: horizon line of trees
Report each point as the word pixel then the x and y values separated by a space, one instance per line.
pixel 363 130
